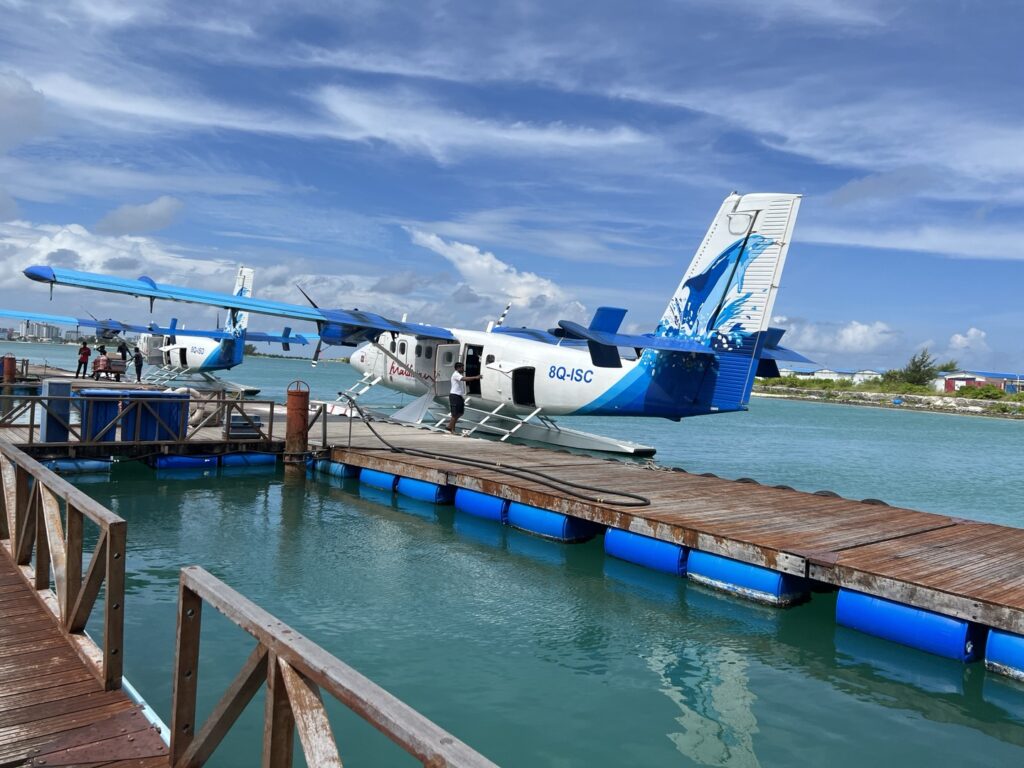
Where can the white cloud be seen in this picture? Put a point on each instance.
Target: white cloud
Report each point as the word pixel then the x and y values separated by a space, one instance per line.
pixel 136 219
pixel 823 339
pixel 401 118
pixel 413 124
pixel 968 348
pixel 969 240
pixel 535 299
pixel 568 233
pixel 21 110
pixel 35 180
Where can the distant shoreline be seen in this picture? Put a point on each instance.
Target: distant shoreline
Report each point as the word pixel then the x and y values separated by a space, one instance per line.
pixel 957 406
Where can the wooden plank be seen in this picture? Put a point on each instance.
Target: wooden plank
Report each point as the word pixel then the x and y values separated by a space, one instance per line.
pixel 237 696
pixel 113 613
pixel 278 720
pixel 311 721
pixel 46 681
pixel 186 671
pixel 67 688
pixel 48 709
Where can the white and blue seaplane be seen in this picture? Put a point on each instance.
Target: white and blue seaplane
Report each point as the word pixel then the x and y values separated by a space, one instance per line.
pixel 178 356
pixel 701 359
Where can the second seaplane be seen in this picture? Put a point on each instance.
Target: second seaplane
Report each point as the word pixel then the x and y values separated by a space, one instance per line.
pixel 702 357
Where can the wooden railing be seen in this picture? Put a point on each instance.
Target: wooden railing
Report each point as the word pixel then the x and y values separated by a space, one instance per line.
pixel 295 671
pixel 35 500
pixel 126 424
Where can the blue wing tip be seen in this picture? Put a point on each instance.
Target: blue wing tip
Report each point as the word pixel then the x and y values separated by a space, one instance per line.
pixel 41 273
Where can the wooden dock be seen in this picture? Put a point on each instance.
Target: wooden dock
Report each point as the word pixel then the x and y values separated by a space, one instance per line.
pixel 53 709
pixel 961 568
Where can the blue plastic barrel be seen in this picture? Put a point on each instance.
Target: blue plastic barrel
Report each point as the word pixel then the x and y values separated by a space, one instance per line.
pixel 383 480
pixel 646 551
pixel 336 468
pixel 424 491
pixel 550 525
pixel 916 627
pixel 98 411
pixel 481 505
pixel 57 414
pixel 142 423
pixel 197 461
pixel 1004 653
pixel 77 466
pixel 248 460
pixel 750 581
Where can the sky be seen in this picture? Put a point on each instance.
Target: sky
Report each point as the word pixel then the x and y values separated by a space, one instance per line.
pixel 441 159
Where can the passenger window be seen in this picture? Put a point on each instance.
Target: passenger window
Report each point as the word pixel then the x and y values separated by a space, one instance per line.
pixel 401 348
pixel 419 350
pixel 428 352
pixel 447 358
pixel 489 360
pixel 392 345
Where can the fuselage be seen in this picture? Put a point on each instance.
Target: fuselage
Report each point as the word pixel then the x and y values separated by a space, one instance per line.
pixel 520 374
pixel 196 353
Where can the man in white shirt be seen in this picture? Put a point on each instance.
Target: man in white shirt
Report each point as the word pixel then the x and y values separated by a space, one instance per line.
pixel 457 396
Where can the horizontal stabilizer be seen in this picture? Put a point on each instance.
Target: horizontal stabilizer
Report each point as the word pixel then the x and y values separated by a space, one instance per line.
pixel 781 353
pixel 610 342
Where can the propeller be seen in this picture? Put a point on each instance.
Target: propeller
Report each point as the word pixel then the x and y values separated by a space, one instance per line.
pixel 319 327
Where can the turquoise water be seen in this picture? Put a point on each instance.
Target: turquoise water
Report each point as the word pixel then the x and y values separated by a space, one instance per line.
pixel 540 654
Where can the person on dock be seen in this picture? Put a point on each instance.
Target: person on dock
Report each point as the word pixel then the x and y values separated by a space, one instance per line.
pixel 83 361
pixel 139 361
pixel 457 396
pixel 122 348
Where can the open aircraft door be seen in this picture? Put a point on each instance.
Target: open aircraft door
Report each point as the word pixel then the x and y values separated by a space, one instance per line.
pixel 445 357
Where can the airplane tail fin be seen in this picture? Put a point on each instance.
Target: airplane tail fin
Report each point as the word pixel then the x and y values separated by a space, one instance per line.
pixel 726 296
pixel 238 321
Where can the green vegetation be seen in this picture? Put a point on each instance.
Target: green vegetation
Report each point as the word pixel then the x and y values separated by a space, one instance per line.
pixel 920 371
pixel 915 378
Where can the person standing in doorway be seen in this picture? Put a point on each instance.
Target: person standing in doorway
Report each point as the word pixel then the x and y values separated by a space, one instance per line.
pixel 457 396
pixel 139 361
pixel 83 360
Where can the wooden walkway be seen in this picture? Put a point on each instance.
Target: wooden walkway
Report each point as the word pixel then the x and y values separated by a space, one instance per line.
pixel 966 569
pixel 53 710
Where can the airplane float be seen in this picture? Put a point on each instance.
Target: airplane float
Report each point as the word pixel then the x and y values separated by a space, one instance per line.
pixel 179 355
pixel 701 359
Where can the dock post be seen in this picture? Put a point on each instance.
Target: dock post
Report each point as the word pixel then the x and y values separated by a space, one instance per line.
pixel 296 438
pixel 10 369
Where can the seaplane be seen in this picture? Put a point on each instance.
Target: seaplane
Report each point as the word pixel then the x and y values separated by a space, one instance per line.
pixel 713 339
pixel 178 356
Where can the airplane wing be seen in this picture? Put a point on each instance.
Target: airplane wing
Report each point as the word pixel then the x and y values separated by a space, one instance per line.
pixel 86 322
pixel 338 326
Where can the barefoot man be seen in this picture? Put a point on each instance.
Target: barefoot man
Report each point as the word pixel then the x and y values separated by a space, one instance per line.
pixel 457 397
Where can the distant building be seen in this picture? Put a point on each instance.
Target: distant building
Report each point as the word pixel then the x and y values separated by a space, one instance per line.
pixel 951 381
pixel 45 331
pixel 829 374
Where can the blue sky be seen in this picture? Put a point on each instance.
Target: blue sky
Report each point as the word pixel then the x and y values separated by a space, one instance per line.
pixel 442 158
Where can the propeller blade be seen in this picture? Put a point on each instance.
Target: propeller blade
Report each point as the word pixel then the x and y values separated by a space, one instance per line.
pixel 316 352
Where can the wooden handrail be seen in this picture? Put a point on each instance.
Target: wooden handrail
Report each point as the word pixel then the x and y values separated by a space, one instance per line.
pixel 295 670
pixel 92 431
pixel 34 501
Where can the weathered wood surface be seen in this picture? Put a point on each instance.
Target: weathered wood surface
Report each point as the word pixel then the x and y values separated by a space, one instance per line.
pixel 53 710
pixel 295 670
pixel 961 568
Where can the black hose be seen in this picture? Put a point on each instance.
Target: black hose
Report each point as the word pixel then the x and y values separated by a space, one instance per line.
pixel 523 473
